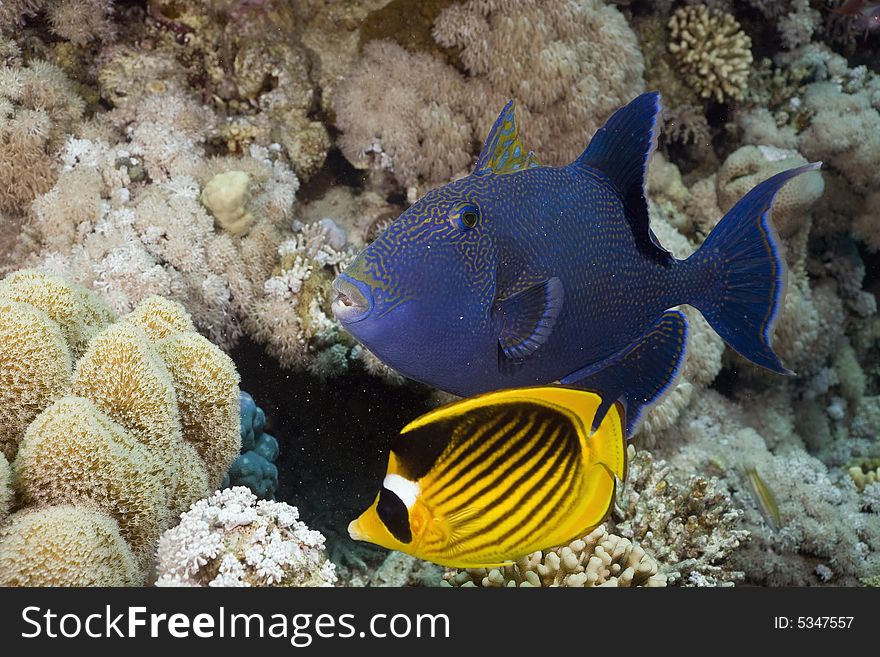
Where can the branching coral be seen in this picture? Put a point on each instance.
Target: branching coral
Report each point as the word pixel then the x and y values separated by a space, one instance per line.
pixel 292 315
pixel 820 518
pixel 714 53
pixel 597 559
pixel 65 546
pixel 232 539
pixel 690 525
pixel 567 64
pixel 138 429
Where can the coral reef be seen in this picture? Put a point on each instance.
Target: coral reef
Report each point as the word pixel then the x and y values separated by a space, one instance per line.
pixel 713 52
pixel 255 466
pixel 128 240
pixel 821 518
pixel 38 107
pixel 597 559
pixel 151 155
pixel 567 64
pixel 226 195
pixel 135 423
pixel 5 487
pixel 689 525
pixel 77 21
pixel 65 546
pixel 232 539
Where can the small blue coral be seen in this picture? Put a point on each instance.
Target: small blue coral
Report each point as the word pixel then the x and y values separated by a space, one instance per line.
pixel 255 466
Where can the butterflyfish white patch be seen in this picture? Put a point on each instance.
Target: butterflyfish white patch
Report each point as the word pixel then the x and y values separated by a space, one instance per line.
pixel 405 489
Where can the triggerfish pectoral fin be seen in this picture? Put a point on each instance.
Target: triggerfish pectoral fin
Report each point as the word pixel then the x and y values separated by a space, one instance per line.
pixel 527 318
pixel 641 373
pixel 621 150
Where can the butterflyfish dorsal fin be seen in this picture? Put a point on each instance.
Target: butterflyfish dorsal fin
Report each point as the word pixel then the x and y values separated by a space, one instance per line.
pixel 503 152
pixel 621 150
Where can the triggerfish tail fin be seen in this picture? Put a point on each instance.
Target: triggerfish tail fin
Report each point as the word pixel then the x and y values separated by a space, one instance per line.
pixel 621 150
pixel 639 375
pixel 740 274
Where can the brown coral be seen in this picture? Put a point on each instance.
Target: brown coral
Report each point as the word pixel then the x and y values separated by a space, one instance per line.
pixel 568 65
pixel 38 107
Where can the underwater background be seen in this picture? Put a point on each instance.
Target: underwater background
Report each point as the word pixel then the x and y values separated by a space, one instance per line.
pixel 180 183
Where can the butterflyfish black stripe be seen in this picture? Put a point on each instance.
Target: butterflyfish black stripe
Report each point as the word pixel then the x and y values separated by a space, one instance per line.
pixel 535 441
pixel 525 506
pixel 469 476
pixel 394 515
pixel 550 448
pixel 550 504
pixel 524 509
pixel 519 441
pixel 470 445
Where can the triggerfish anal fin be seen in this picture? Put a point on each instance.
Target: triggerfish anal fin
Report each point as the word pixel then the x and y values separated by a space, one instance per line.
pixel 503 152
pixel 527 318
pixel 621 150
pixel 639 374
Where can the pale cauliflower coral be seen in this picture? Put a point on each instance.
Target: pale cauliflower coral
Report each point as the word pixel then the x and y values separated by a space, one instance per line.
pixel 714 53
pixel 232 539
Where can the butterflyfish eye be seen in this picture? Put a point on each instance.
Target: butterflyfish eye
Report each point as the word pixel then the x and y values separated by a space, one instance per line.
pixel 394 515
pixel 468 216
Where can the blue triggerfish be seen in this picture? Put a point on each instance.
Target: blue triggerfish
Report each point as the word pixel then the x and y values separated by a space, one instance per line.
pixel 521 274
pixel 484 481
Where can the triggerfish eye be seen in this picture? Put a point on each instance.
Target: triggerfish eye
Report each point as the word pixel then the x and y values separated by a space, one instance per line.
pixel 487 480
pixel 468 216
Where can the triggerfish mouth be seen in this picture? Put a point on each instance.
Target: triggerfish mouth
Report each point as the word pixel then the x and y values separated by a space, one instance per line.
pixel 521 274
pixel 484 481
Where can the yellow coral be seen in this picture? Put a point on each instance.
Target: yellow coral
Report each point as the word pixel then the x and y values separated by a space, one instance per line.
pixel 113 438
pixel 126 378
pixel 206 384
pixel 597 559
pixel 226 195
pixel 73 453
pixel 35 366
pixel 714 53
pixel 79 313
pixel 865 472
pixel 65 546
pixel 160 317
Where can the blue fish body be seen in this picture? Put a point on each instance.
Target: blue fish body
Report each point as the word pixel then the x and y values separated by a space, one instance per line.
pixel 521 274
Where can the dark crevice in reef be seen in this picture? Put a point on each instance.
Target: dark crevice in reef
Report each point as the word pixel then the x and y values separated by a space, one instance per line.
pixel 334 435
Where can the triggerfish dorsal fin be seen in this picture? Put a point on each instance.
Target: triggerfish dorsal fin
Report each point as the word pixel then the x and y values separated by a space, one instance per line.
pixel 528 317
pixel 621 150
pixel 639 374
pixel 503 152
